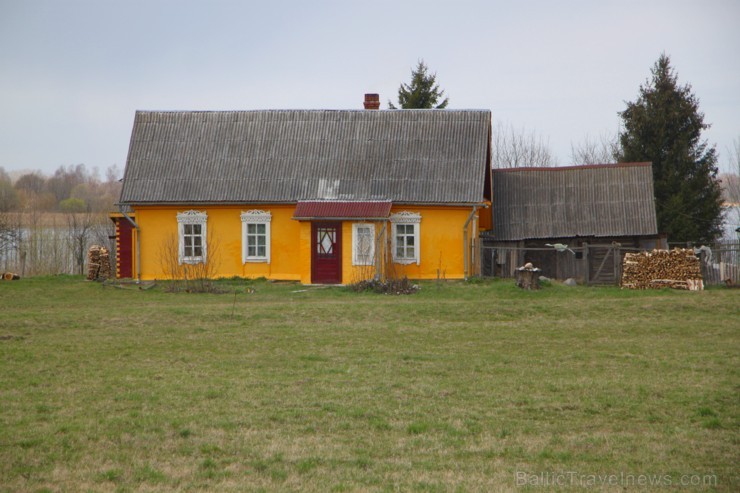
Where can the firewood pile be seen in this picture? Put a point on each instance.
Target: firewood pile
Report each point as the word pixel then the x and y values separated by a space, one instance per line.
pixel 9 276
pixel 679 268
pixel 98 263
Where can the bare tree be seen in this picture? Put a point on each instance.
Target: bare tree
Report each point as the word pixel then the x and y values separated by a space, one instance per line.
pixel 10 236
pixel 9 228
pixel 601 150
pixel 516 148
pixel 190 277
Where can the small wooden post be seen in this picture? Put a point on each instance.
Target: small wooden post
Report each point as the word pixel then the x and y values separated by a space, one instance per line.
pixel 617 263
pixel 586 263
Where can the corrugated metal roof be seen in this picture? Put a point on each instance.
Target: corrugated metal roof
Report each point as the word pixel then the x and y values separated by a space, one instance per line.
pixel 596 200
pixel 419 156
pixel 333 209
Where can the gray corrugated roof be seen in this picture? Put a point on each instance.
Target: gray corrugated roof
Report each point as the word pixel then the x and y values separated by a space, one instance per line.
pixel 597 200
pixel 419 156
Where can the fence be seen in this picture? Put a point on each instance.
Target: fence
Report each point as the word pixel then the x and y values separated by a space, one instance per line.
pixel 600 264
pixel 720 263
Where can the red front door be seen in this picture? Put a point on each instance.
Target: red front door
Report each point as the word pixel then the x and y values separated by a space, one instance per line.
pixel 326 253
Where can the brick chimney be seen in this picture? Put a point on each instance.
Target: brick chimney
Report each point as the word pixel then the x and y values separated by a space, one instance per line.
pixel 372 101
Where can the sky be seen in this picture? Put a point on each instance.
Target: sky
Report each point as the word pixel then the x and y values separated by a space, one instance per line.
pixel 73 72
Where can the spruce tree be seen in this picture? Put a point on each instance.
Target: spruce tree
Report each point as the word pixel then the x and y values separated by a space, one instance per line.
pixel 664 126
pixel 422 93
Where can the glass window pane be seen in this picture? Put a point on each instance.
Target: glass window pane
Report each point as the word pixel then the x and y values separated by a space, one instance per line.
pixel 251 228
pixel 399 251
pixel 410 240
pixel 261 240
pixel 197 241
pixel 197 251
pixel 260 228
pixel 188 229
pixel 188 241
pixel 251 250
pixel 196 229
pixel 261 251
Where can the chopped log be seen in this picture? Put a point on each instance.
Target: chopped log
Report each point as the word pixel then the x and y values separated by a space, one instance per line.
pixel 528 277
pixel 10 276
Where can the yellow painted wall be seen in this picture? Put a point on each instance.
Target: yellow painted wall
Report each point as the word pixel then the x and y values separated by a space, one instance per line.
pixel 158 225
pixel 441 238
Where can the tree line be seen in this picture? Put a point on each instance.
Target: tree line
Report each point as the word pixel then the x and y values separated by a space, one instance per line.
pixel 47 223
pixel 73 188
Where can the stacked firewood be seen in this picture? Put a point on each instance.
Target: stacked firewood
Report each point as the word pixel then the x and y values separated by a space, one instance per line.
pixel 679 268
pixel 98 263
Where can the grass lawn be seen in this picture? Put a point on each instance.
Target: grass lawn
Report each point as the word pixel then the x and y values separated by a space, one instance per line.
pixel 461 387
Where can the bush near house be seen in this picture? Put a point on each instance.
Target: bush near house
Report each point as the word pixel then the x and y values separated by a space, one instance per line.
pixel 273 386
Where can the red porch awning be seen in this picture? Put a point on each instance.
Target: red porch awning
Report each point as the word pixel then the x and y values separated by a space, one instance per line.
pixel 307 210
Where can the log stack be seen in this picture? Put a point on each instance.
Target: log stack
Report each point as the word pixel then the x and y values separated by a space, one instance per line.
pixel 98 263
pixel 679 268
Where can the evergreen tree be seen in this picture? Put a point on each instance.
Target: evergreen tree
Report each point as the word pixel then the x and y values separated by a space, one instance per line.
pixel 664 126
pixel 422 93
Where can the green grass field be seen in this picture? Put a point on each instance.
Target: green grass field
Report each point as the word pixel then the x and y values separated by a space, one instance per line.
pixel 461 387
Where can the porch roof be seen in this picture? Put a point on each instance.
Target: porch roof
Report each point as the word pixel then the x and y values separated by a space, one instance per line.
pixel 340 209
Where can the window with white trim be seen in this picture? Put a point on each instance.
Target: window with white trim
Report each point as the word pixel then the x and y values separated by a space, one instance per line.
pixel 256 236
pixel 363 244
pixel 192 234
pixel 405 237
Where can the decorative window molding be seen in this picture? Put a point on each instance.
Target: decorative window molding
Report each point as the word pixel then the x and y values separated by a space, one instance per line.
pixel 405 238
pixel 406 217
pixel 256 236
pixel 363 244
pixel 191 237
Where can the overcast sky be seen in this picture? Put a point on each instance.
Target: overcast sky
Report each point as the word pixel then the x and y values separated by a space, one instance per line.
pixel 72 73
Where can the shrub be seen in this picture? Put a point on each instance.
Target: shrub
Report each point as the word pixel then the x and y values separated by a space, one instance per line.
pixel 389 286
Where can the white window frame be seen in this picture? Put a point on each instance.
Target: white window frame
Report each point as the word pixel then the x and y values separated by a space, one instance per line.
pixel 192 217
pixel 356 260
pixel 406 218
pixel 255 216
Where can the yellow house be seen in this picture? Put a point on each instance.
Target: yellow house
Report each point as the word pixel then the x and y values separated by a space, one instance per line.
pixel 312 196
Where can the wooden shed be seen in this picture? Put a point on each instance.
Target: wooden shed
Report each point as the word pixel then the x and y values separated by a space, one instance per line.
pixel 573 221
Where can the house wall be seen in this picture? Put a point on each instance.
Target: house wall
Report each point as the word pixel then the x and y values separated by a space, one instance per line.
pixel 158 227
pixel 441 238
pixel 441 241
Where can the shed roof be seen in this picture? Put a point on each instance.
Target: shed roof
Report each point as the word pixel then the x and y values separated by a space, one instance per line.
pixel 283 156
pixel 595 200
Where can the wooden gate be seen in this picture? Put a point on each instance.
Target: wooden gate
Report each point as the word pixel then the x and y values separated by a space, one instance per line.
pixel 604 264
